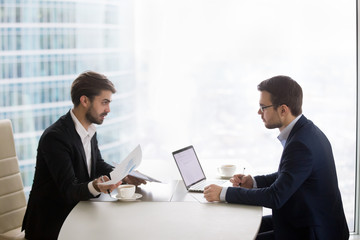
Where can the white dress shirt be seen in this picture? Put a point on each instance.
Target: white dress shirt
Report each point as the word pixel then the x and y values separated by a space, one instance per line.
pixel 284 134
pixel 85 136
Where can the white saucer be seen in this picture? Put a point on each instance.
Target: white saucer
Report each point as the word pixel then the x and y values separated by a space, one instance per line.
pixel 133 198
pixel 225 177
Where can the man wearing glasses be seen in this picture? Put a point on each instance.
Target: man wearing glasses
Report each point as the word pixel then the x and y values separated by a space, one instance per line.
pixel 303 194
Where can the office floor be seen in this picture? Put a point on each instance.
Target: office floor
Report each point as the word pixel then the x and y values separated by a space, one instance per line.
pixel 354 237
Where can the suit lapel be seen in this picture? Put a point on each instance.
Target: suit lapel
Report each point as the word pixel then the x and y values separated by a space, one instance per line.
pixel 80 146
pixel 93 156
pixel 77 140
pixel 301 122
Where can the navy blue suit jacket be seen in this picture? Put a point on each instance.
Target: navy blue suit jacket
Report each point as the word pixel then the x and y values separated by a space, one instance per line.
pixel 61 178
pixel 303 194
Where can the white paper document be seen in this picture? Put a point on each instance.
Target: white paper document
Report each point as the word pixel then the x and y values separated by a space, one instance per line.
pixel 121 170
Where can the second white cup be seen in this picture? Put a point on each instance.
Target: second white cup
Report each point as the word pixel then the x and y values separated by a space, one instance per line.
pixel 227 170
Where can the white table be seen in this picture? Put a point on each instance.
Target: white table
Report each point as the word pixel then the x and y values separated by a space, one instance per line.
pixel 161 220
pixel 166 211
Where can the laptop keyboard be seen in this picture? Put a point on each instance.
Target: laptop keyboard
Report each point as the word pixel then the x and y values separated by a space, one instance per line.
pixel 199 187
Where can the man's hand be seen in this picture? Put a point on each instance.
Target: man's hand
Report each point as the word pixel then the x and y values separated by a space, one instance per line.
pixel 104 188
pixel 242 181
pixel 212 193
pixel 133 180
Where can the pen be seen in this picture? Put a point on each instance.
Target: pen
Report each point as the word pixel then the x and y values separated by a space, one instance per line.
pixel 102 179
pixel 242 176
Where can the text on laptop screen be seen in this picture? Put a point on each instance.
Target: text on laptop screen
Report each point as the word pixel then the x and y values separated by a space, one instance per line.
pixel 189 166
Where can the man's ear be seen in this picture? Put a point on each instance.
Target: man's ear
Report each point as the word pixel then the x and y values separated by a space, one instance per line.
pixel 284 109
pixel 84 101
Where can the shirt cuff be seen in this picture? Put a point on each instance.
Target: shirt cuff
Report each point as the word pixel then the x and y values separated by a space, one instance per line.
pixel 254 182
pixel 93 190
pixel 223 194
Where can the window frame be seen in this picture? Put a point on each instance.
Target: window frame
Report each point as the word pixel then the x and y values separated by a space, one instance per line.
pixel 357 175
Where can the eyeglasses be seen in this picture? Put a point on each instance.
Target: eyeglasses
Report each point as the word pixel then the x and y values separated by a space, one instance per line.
pixel 262 108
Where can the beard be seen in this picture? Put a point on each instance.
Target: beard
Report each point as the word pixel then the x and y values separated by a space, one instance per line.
pixel 93 118
pixel 273 125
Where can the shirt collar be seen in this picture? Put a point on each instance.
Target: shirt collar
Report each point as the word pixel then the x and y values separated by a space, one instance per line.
pixel 284 134
pixel 80 128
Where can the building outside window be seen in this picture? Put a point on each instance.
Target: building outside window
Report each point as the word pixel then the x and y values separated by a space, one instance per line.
pixel 45 45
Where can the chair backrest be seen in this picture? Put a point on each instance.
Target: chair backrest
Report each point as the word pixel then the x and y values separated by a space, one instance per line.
pixel 12 196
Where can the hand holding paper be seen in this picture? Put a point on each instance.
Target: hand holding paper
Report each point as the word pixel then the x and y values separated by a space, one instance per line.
pixel 121 170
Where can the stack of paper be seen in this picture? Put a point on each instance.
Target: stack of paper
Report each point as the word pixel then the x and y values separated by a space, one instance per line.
pixel 127 167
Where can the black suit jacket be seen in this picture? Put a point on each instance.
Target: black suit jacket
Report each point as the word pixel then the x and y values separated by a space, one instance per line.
pixel 61 178
pixel 303 193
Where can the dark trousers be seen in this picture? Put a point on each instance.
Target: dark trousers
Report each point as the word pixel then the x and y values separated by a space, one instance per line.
pixel 266 231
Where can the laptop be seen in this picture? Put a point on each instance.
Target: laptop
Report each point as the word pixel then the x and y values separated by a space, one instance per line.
pixel 191 171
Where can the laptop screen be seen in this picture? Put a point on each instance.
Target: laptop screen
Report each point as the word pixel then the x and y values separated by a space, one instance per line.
pixel 189 166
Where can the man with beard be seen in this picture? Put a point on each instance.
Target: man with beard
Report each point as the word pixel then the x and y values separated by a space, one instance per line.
pixel 69 166
pixel 303 194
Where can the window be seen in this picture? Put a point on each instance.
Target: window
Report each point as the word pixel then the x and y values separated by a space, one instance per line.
pixel 199 63
pixel 197 67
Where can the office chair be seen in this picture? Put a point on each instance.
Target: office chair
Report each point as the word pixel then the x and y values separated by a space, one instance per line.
pixel 12 196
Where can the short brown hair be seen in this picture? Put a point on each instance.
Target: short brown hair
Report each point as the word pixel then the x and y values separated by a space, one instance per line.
pixel 90 84
pixel 284 90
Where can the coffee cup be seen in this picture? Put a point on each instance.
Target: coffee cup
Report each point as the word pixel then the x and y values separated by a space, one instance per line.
pixel 126 191
pixel 227 170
